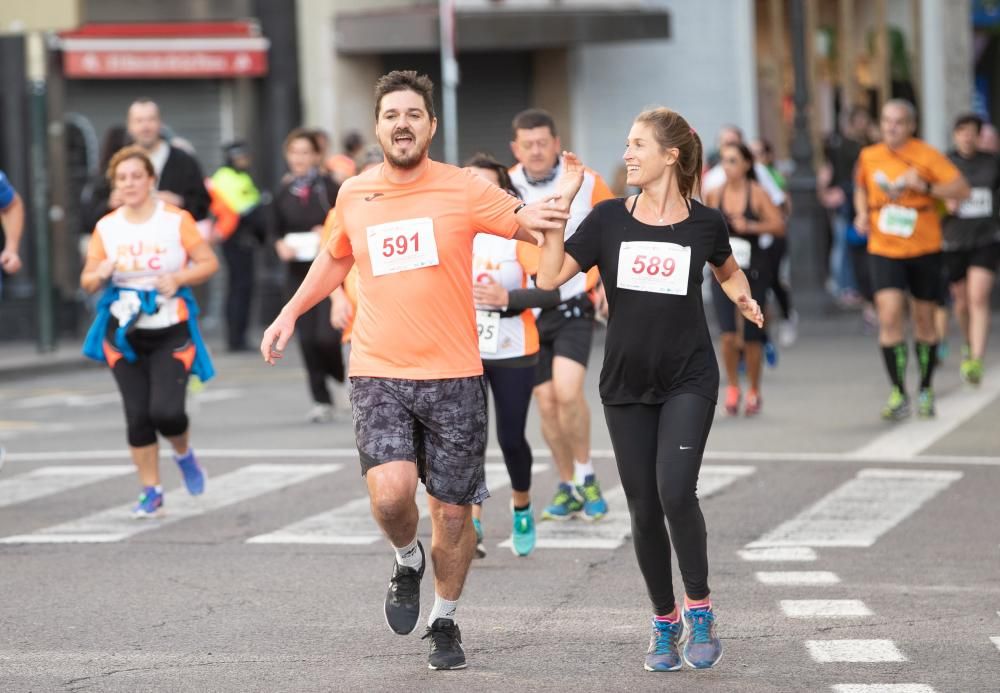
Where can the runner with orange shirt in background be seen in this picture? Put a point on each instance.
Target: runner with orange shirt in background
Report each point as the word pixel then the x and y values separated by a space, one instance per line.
pixel 898 184
pixel 418 392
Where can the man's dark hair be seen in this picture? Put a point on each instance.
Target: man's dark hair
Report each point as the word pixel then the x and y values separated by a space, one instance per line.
pixel 531 119
pixel 969 119
pixel 405 80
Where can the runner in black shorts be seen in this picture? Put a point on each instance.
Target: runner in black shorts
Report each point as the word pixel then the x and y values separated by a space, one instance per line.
pixel 898 183
pixel 660 378
pixel 972 244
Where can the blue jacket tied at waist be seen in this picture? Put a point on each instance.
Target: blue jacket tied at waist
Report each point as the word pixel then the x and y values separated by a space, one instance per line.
pixel 93 345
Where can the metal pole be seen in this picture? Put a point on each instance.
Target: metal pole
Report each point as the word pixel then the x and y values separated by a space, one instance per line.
pixel 808 267
pixel 44 289
pixel 449 79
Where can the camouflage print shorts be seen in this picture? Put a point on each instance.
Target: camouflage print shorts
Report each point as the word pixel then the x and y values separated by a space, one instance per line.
pixel 439 424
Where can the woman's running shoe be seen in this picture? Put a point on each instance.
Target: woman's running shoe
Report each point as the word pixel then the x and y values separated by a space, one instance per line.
pixel 522 536
pixel 702 647
pixel 194 475
pixel 754 403
pixel 150 503
pixel 771 354
pixel 733 400
pixel 480 548
pixel 664 646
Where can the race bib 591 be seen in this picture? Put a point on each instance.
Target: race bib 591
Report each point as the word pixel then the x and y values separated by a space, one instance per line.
pixel 398 246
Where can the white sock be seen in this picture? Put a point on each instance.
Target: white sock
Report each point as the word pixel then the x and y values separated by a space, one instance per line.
pixel 442 609
pixel 581 470
pixel 409 555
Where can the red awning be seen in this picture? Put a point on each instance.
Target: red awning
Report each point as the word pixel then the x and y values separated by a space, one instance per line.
pixel 165 50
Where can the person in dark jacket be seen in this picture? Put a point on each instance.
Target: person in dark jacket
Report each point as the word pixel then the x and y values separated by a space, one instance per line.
pixel 300 207
pixel 179 180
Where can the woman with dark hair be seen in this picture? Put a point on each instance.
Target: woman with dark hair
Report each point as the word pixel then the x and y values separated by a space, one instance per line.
pixel 300 207
pixel 146 255
pixel 660 380
pixel 96 198
pixel 750 214
pixel 508 345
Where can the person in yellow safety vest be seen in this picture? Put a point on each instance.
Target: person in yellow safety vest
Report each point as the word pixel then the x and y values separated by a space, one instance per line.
pixel 240 228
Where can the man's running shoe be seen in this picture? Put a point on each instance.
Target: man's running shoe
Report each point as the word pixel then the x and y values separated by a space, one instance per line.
pixel 594 505
pixel 971 371
pixel 925 403
pixel 564 504
pixel 194 475
pixel 770 354
pixel 754 403
pixel 320 413
pixel 897 407
pixel 702 647
pixel 732 400
pixel 664 647
pixel 446 645
pixel 402 601
pixel 480 548
pixel 150 503
pixel 522 536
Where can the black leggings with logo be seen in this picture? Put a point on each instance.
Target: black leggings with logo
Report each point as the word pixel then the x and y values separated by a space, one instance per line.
pixel 659 449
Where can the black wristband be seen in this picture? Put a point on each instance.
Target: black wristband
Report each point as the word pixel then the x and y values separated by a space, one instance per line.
pixel 520 207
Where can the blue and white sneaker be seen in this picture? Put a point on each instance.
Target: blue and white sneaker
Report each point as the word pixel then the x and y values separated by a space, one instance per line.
pixel 664 646
pixel 564 504
pixel 594 505
pixel 150 503
pixel 522 536
pixel 770 354
pixel 194 475
pixel 702 647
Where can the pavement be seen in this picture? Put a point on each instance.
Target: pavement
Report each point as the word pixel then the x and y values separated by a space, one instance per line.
pixel 846 554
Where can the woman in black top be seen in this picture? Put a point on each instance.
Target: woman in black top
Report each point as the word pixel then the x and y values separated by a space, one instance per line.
pixel 750 214
pixel 300 207
pixel 660 379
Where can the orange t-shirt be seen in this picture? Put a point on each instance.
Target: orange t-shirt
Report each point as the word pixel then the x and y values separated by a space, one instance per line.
pixel 412 245
pixel 895 231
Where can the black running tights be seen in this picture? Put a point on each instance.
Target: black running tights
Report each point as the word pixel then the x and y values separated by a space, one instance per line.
pixel 512 388
pixel 658 449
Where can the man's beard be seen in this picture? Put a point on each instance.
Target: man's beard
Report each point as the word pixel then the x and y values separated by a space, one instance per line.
pixel 409 160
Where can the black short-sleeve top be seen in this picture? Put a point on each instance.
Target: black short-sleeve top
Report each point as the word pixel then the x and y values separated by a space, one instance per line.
pixel 658 344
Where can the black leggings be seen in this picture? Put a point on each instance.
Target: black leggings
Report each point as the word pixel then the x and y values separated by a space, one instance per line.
pixel 776 254
pixel 319 341
pixel 512 388
pixel 658 449
pixel 153 388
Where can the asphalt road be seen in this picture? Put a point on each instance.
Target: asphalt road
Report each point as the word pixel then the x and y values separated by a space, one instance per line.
pixel 833 538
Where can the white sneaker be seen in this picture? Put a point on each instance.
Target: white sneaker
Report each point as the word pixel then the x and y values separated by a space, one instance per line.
pixel 320 413
pixel 788 330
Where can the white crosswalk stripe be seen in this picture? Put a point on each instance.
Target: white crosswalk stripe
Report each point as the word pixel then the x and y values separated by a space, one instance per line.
pixel 48 481
pixel 828 651
pixel 779 554
pixel 860 511
pixel 115 524
pixel 824 608
pixel 611 531
pixel 352 522
pixel 882 688
pixel 797 578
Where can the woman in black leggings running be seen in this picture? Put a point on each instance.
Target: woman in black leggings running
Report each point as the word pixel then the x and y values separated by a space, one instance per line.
pixel 508 344
pixel 660 380
pixel 146 255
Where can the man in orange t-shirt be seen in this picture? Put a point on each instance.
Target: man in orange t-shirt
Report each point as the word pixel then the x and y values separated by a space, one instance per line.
pixel 417 388
pixel 895 201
